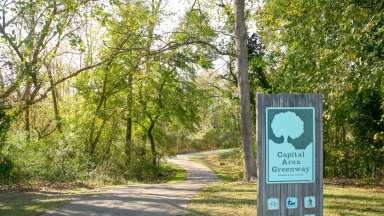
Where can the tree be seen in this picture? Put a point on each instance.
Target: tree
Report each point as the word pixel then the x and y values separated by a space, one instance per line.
pixel 149 84
pixel 243 83
pixel 332 47
pixel 32 33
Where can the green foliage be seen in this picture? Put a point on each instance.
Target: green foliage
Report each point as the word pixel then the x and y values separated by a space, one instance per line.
pixel 333 48
pixel 155 90
pixel 5 121
pixel 221 125
pixel 6 165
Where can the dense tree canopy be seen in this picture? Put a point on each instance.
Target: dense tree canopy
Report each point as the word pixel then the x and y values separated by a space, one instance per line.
pixel 334 48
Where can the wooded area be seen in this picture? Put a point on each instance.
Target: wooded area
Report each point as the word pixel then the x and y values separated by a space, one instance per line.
pixel 108 89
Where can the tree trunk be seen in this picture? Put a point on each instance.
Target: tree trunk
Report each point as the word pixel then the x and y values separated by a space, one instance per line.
pixel 153 147
pixel 128 140
pixel 94 141
pixel 111 138
pixel 128 133
pixel 102 101
pixel 54 100
pixel 27 114
pixel 27 121
pixel 243 85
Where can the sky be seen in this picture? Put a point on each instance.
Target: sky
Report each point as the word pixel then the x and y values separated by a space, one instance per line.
pixel 176 9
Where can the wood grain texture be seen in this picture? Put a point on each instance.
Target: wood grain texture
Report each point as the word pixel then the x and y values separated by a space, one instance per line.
pixel 282 191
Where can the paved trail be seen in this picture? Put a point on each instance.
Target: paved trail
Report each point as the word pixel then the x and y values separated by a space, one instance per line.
pixel 143 199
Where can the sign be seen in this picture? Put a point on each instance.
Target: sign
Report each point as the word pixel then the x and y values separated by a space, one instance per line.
pixel 273 204
pixel 309 202
pixel 290 159
pixel 290 145
pixel 291 202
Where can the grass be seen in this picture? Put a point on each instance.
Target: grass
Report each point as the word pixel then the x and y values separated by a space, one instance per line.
pixel 31 202
pixel 228 166
pixel 172 173
pixel 226 198
pixel 233 197
pixel 352 201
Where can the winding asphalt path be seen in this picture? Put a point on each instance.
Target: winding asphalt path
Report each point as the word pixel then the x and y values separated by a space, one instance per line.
pixel 143 199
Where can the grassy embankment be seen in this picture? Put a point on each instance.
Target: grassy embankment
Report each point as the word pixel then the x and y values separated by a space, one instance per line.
pixel 34 200
pixel 233 197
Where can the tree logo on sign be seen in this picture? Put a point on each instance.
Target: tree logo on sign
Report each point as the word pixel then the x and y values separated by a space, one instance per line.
pixel 287 125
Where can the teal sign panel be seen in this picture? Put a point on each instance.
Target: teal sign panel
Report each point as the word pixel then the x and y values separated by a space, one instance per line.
pixel 290 150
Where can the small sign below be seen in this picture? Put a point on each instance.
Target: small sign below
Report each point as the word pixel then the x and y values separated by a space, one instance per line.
pixel 309 215
pixel 309 202
pixel 273 204
pixel 291 202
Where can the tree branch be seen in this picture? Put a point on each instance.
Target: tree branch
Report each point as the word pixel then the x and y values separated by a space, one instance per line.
pixel 175 45
pixel 49 89
pixel 11 43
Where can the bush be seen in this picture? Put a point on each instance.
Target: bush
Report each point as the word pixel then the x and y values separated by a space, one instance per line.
pixel 6 167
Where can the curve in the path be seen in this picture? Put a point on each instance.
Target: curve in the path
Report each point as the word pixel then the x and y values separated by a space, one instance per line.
pixel 143 199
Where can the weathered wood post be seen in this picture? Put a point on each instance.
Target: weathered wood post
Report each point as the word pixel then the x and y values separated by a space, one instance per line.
pixel 290 154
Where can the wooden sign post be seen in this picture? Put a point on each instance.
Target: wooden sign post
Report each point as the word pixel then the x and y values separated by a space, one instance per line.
pixel 290 155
